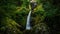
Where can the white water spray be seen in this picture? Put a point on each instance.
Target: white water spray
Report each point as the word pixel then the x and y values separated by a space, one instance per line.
pixel 28 27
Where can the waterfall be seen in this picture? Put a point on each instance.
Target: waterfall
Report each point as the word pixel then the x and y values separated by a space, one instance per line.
pixel 28 27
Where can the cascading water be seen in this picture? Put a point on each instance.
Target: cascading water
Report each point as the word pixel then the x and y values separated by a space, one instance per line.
pixel 28 27
pixel 33 5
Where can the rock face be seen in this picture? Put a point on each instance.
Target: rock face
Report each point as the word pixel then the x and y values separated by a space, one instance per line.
pixel 33 4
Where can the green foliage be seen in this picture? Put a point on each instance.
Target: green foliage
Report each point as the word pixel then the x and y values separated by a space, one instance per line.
pixel 13 15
